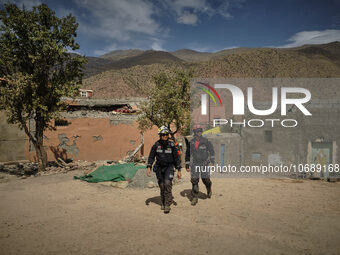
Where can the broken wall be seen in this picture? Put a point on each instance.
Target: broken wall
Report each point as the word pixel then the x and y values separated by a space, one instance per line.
pixel 12 141
pixel 90 138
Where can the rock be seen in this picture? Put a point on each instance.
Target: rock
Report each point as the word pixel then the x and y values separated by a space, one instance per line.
pixel 151 184
pixel 141 180
pixel 122 184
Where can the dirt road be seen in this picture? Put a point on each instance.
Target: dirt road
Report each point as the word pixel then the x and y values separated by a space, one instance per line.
pixel 58 215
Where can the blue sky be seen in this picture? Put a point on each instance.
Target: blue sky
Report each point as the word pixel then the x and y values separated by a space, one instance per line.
pixel 203 25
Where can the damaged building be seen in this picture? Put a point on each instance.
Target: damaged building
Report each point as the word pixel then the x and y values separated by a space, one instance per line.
pixel 301 140
pixel 90 129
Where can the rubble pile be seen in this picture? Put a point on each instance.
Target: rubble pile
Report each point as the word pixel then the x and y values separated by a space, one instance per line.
pixel 26 168
pixel 124 109
pixel 141 180
pixel 19 168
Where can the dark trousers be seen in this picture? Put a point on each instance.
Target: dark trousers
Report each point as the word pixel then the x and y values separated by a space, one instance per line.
pixel 196 173
pixel 164 177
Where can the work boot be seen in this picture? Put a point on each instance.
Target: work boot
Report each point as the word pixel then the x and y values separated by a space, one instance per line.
pixel 209 191
pixel 194 201
pixel 162 207
pixel 167 209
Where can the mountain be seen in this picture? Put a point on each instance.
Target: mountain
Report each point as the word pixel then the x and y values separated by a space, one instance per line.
pixel 329 50
pixel 147 58
pixel 132 76
pixel 97 65
pixel 192 56
pixel 121 54
pixel 227 52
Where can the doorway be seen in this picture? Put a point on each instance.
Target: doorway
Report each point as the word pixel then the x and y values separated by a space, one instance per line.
pixel 222 151
pixel 322 155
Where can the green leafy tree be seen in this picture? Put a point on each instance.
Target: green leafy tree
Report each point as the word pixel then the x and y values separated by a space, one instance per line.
pixel 169 103
pixel 36 70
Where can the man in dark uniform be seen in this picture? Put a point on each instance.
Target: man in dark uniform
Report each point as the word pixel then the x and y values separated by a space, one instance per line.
pixel 167 158
pixel 202 153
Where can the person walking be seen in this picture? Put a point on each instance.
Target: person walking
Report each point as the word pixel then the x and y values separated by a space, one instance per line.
pixel 201 151
pixel 167 158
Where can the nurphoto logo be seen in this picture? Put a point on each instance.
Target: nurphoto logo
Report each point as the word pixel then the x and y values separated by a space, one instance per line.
pixel 238 106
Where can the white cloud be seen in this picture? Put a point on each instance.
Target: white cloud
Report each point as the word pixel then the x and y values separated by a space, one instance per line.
pixel 187 10
pixel 188 18
pixel 107 49
pixel 312 37
pixel 157 45
pixel 196 5
pixel 207 48
pixel 137 23
pixel 119 20
pixel 27 3
pixel 224 10
pixel 230 48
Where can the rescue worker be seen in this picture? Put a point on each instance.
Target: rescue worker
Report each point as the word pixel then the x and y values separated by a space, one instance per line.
pixel 202 153
pixel 167 158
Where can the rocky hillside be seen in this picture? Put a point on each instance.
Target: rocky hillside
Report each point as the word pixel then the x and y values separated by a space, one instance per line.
pixel 133 75
pixel 128 59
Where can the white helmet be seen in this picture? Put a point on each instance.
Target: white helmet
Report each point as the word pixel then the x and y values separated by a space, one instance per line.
pixel 163 130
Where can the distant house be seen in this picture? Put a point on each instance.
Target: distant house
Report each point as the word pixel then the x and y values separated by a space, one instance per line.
pixel 88 93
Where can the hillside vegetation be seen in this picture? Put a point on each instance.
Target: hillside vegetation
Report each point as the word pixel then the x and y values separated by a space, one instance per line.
pixel 132 77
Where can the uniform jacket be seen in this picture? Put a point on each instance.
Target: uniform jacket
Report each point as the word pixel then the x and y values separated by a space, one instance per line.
pixel 204 152
pixel 165 155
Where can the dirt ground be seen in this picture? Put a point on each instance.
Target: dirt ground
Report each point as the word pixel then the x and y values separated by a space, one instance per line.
pixel 58 215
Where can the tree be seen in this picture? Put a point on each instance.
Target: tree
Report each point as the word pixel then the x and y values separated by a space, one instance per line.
pixel 36 70
pixel 169 103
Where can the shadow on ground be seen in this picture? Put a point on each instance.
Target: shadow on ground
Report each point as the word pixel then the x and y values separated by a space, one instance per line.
pixel 188 193
pixel 157 200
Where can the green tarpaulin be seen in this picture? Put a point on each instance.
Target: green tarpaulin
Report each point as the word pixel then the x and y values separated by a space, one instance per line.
pixel 118 172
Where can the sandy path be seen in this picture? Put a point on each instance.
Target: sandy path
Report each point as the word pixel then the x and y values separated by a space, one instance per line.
pixel 59 215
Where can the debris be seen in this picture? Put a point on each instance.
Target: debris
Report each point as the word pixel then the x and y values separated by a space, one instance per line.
pixel 120 184
pixel 142 181
pixel 15 162
pixel 132 155
pixel 151 184
pixel 62 161
pixel 124 109
pixel 27 168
